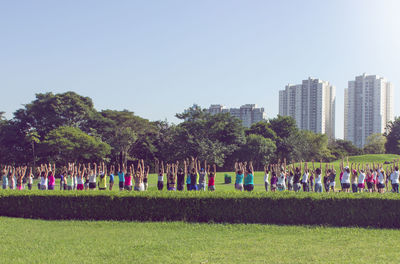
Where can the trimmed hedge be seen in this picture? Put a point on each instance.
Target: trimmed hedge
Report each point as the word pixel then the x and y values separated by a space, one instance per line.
pixel 334 209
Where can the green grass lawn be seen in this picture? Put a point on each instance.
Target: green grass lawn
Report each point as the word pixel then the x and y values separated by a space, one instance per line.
pixel 38 241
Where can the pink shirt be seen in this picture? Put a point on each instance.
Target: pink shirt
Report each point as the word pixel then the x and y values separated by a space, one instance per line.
pixel 128 180
pixel 52 180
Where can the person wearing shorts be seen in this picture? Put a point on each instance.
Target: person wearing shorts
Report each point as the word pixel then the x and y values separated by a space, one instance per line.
pixel 211 177
pixel 239 169
pixel 128 178
pixel 361 180
pixel 121 176
pixel 146 178
pixel 4 177
pixel 112 172
pixel 51 177
pixel 249 179
pixel 296 178
pixel 266 177
pixel 180 178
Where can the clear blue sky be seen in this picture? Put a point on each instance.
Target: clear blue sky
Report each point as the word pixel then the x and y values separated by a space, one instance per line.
pixel 156 58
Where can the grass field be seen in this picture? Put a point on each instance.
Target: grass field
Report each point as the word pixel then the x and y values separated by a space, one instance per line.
pixel 38 241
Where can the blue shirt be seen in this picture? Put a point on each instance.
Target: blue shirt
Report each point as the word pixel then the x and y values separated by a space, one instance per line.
pixel 121 176
pixel 111 177
pixel 249 179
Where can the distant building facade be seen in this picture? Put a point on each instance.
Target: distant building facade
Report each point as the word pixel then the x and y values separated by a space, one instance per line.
pixel 311 104
pixel 368 107
pixel 248 113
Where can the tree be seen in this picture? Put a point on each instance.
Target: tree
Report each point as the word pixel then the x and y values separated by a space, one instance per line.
pixel 50 111
pixel 33 137
pixel 308 145
pixel 261 128
pixel 392 135
pixel 375 144
pixel 67 144
pixel 342 148
pixel 284 128
pixel 257 149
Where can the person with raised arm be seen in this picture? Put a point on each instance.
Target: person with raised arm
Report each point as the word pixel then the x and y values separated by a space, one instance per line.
pixel 38 173
pixel 80 177
pixel 121 176
pixel 282 177
pixel 332 178
pixel 172 170
pixel 297 177
pixel 369 178
pixel 354 177
pixel 11 177
pixel 160 174
pixel 194 175
pixel 290 177
pixel 51 176
pixel 311 178
pixel 361 178
pixel 4 176
pixel 239 176
pixel 20 176
pixel 211 177
pixel 326 178
pixel 180 181
pixel 69 178
pixel 202 176
pixel 381 178
pixel 146 177
pixel 249 179
pixel 128 178
pixel 112 173
pixel 266 176
pixel 43 178
pixel 93 177
pixel 304 180
pixel 30 179
pixel 345 181
pixel 62 175
pixel 318 178
pixel 394 177
pixel 102 177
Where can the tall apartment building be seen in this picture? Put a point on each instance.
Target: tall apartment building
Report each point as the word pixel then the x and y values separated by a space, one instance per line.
pixel 311 104
pixel 248 113
pixel 368 107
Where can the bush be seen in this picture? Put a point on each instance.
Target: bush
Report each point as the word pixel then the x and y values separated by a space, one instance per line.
pixel 334 209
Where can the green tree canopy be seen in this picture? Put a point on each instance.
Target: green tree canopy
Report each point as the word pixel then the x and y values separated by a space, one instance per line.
pixel 65 144
pixel 392 135
pixel 375 144
pixel 49 111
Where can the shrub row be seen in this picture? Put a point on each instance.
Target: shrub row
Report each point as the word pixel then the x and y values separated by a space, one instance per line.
pixel 363 210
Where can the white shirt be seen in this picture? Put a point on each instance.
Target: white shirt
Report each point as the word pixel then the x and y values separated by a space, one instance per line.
pixel 305 178
pixel 290 179
pixel 161 178
pixel 381 180
pixel 266 177
pixel 92 178
pixel 318 179
pixel 281 179
pixel 345 177
pixel 30 180
pixel 394 177
pixel 361 178
pixel 43 181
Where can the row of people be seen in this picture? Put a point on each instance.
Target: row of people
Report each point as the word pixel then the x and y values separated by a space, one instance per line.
pixel 277 176
pixel 359 177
